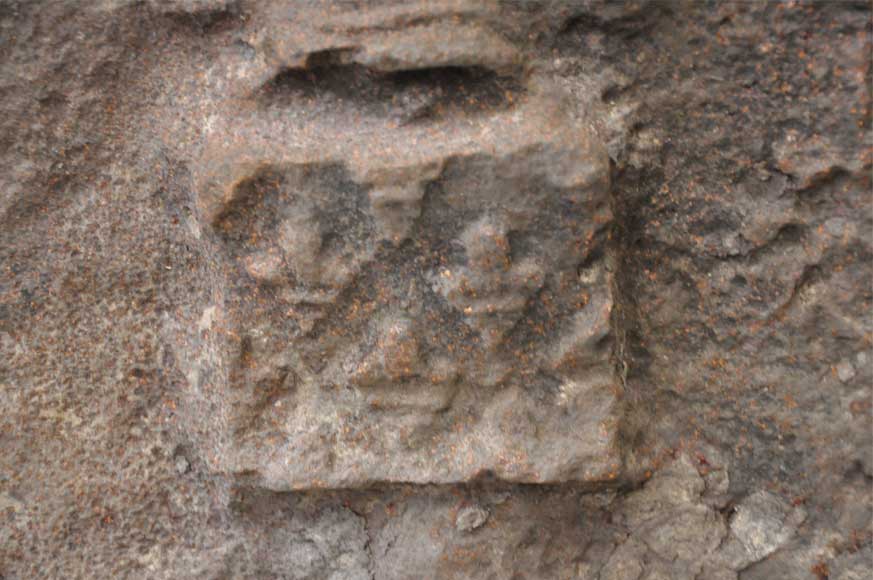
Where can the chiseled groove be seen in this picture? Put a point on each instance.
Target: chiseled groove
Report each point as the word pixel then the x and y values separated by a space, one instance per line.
pixel 433 90
pixel 247 482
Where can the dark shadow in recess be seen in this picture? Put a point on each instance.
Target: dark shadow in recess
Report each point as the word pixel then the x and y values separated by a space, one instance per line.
pixel 329 77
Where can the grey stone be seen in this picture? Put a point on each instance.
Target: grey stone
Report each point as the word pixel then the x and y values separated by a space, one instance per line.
pixel 470 518
pixel 845 371
pixel 760 525
pixel 182 465
pixel 852 566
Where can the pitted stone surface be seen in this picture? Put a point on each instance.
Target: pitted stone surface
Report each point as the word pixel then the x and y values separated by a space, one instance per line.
pixel 385 290
pixel 429 330
pixel 426 301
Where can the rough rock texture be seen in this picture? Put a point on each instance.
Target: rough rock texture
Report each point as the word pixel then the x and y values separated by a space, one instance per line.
pixel 299 289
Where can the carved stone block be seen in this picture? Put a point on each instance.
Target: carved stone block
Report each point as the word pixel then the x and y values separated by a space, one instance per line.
pixel 418 301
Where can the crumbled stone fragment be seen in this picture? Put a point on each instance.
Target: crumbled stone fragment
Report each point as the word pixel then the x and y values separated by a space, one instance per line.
pixel 470 518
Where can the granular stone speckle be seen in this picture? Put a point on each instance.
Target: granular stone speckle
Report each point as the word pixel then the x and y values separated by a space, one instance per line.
pixel 435 289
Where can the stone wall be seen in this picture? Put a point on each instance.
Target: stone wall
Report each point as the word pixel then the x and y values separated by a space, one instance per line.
pixel 299 289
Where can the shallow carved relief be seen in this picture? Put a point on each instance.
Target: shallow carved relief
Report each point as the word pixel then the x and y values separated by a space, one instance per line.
pixel 424 299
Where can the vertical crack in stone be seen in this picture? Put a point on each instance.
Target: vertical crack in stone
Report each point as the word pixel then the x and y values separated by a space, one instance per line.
pixel 624 322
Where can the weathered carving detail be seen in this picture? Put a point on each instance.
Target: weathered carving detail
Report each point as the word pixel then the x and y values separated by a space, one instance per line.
pixel 411 308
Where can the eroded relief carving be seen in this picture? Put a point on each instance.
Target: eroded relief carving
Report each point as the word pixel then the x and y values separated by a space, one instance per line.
pixel 423 298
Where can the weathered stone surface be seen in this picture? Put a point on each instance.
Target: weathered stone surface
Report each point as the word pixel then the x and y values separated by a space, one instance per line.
pixel 435 289
pixel 404 301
